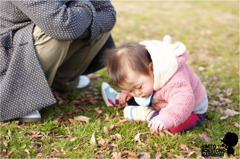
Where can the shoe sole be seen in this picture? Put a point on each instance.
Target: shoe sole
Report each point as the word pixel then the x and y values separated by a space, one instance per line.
pixel 104 96
pixel 30 120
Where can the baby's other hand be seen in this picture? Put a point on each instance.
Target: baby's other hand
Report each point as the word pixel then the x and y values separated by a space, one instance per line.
pixel 156 125
pixel 123 98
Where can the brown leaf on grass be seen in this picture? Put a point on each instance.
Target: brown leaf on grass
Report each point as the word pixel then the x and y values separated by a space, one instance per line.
pixel 167 132
pixel 208 130
pixel 91 99
pixel 59 99
pixel 111 146
pixel 98 110
pixel 236 124
pixel 39 154
pixel 114 126
pixel 56 122
pixel 93 140
pixel 196 148
pixel 76 102
pixel 228 91
pixel 228 112
pixel 190 153
pixel 215 103
pixel 178 157
pixel 183 147
pixel 73 139
pixel 131 154
pixel 225 100
pixel 158 155
pixel 116 136
pixel 116 155
pixel 137 137
pixel 149 141
pixel 204 137
pixel 105 130
pixel 5 143
pixel 103 142
pixel 82 118
pixel 105 117
pixel 4 151
pixel 27 151
pixel 145 155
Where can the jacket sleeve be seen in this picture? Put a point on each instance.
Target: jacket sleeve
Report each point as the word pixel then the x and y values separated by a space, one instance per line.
pixel 180 98
pixel 68 20
pixel 105 17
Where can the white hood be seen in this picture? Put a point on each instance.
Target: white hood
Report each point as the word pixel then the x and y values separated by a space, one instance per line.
pixel 164 57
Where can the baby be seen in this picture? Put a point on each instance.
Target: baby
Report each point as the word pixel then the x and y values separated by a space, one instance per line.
pixel 170 96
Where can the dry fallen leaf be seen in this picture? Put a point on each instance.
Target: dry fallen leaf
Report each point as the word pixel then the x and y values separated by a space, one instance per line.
pixel 205 137
pixel 236 124
pixel 103 142
pixel 145 155
pixel 137 137
pixel 158 155
pixel 93 140
pixel 39 154
pixel 228 91
pixel 132 154
pixel 190 153
pixel 82 118
pixel 118 136
pixel 27 151
pixel 228 112
pixel 183 147
pixel 73 139
pixel 105 130
pixel 76 102
pixel 60 100
pixel 98 110
pixel 116 155
pixel 167 132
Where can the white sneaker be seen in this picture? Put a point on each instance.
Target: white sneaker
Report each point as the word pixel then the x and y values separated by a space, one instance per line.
pixel 34 116
pixel 83 82
pixel 110 96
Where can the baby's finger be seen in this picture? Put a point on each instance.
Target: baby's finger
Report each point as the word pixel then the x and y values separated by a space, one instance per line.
pixel 150 124
pixel 156 127
pixel 128 98
pixel 161 127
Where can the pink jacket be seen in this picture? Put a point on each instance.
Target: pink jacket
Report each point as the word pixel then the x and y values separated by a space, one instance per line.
pixel 179 95
pixel 177 89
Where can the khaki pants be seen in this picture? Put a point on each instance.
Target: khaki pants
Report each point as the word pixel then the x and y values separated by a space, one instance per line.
pixel 63 61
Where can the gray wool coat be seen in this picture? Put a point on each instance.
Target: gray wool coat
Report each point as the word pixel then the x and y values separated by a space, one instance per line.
pixel 23 86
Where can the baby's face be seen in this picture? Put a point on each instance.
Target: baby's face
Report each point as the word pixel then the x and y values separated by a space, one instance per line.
pixel 139 85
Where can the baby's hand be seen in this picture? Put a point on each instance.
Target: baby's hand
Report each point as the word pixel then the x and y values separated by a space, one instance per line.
pixel 123 98
pixel 156 125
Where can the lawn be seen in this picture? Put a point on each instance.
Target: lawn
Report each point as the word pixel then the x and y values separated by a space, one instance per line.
pixel 81 126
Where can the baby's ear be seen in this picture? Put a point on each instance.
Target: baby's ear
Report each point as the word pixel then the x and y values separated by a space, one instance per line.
pixel 178 48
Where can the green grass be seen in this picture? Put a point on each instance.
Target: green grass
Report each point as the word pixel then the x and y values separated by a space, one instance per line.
pixel 211 34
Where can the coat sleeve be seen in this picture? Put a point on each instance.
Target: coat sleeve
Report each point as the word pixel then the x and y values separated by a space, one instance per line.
pixel 68 20
pixel 180 98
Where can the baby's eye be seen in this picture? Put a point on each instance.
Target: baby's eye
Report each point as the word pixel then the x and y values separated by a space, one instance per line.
pixel 139 87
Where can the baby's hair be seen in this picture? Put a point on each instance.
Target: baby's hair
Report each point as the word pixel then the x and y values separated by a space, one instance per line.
pixel 129 55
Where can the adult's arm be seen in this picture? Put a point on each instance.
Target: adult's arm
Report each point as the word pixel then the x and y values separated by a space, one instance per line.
pixel 63 20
